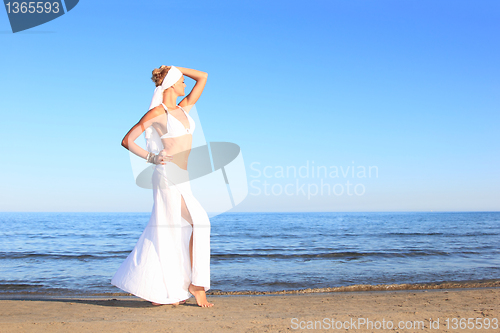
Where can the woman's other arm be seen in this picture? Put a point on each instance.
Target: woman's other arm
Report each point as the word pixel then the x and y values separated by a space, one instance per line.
pixel 146 121
pixel 200 78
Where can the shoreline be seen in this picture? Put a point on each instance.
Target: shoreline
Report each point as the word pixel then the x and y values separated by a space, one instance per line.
pixel 449 285
pixel 129 297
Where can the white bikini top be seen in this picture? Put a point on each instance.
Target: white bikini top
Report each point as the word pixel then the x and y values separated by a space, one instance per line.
pixel 175 127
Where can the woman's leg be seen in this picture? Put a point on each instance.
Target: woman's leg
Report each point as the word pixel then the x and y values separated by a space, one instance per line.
pixel 197 291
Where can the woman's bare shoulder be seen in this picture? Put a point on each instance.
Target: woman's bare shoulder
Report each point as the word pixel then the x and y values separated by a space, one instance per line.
pixel 157 110
pixel 154 115
pixel 154 112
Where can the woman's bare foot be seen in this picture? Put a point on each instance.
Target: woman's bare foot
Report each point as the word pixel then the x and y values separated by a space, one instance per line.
pixel 199 294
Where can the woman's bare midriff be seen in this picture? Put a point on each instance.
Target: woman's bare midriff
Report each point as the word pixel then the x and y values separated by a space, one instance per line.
pixel 179 147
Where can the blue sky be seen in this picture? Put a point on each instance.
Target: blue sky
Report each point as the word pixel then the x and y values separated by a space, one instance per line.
pixel 409 87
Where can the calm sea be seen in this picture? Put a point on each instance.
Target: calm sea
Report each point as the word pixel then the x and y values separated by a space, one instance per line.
pixel 78 253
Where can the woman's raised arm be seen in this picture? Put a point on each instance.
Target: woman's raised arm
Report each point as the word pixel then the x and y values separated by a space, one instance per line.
pixel 201 79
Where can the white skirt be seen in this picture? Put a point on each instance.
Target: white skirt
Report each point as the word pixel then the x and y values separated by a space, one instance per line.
pixel 159 267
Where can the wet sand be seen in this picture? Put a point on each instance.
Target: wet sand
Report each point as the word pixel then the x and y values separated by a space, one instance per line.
pixel 285 312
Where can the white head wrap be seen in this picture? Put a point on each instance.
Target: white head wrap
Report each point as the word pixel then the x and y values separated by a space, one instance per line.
pixel 153 140
pixel 173 75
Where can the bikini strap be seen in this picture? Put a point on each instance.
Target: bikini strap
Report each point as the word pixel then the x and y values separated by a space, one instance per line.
pixel 164 107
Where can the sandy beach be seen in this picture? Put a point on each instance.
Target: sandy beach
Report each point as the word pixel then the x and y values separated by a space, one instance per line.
pixel 347 311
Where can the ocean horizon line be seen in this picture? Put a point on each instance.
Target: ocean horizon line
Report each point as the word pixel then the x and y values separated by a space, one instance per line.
pixel 285 212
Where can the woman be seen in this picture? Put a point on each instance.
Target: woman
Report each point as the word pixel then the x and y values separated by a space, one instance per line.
pixel 171 259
